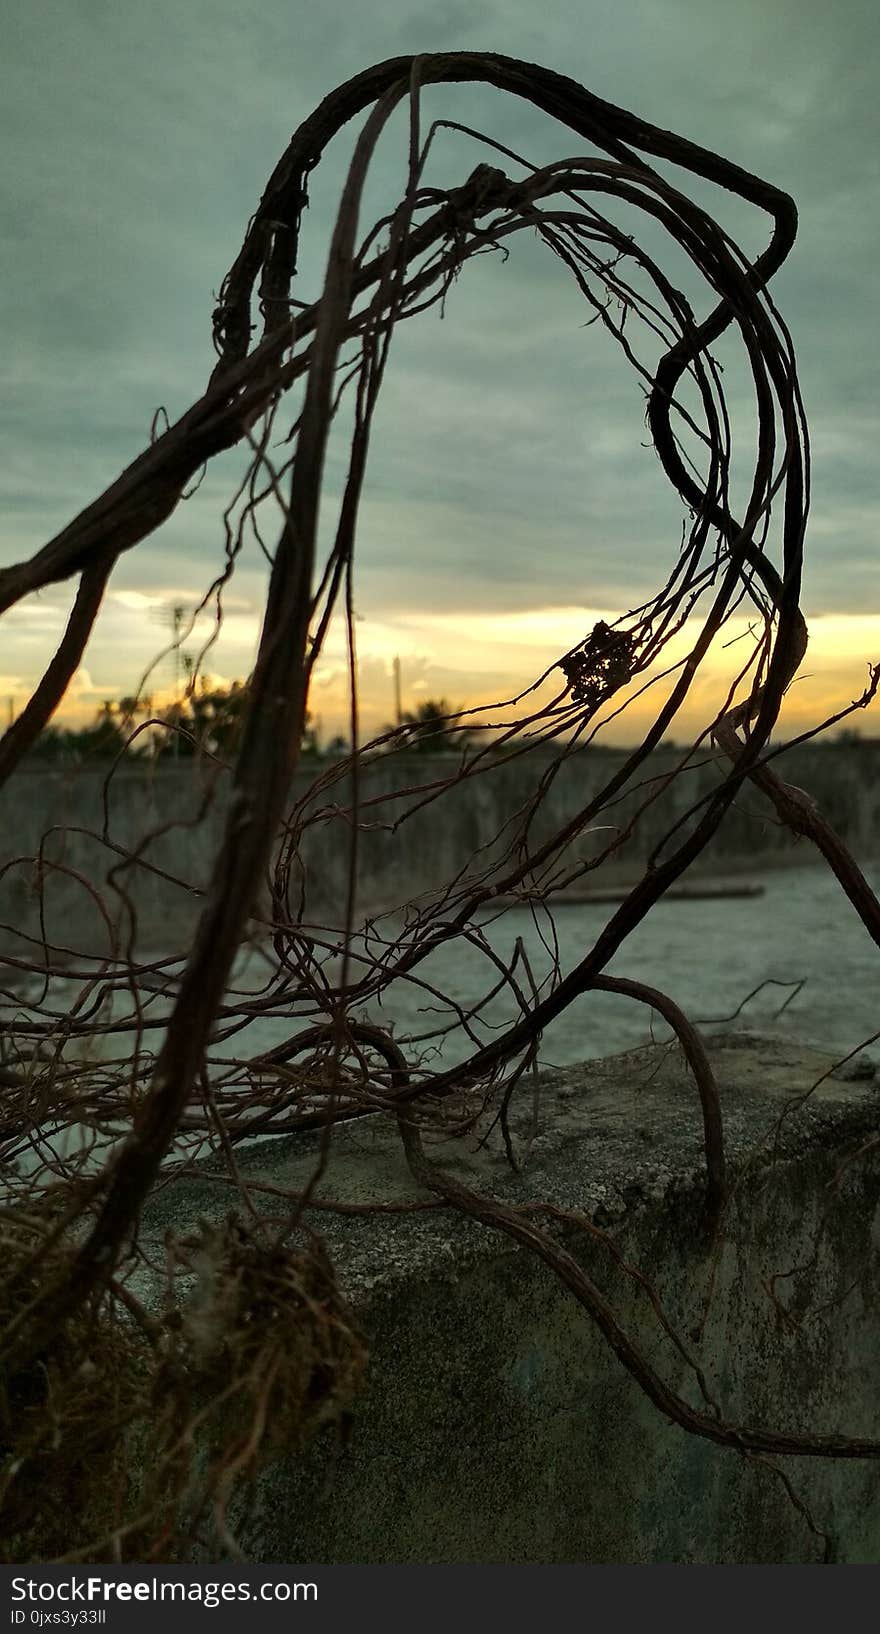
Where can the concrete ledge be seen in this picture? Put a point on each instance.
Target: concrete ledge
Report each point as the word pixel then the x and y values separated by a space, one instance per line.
pixel 497 1426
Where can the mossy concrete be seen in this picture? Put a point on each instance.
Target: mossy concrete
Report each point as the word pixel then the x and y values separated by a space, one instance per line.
pixel 497 1426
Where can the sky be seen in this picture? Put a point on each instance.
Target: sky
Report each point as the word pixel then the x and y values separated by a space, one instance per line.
pixel 509 501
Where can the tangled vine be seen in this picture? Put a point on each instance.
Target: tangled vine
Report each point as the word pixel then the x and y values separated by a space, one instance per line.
pixel 85 1138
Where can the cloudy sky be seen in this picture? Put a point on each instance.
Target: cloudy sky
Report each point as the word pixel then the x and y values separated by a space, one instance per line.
pixel 510 500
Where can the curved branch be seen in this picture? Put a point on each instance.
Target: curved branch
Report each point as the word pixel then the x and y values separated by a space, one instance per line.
pixel 695 1054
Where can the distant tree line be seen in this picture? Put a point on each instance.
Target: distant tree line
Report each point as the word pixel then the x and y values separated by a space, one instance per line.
pixel 210 720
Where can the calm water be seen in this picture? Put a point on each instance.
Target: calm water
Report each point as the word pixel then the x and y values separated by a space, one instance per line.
pixel 706 955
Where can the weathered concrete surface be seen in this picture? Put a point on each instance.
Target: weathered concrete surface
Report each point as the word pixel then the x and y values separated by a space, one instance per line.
pixel 496 1425
pixel 175 815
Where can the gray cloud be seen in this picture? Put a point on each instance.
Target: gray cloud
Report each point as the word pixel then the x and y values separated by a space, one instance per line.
pixel 507 470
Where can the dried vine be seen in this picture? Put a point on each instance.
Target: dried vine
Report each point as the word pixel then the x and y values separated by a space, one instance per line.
pixel 95 1137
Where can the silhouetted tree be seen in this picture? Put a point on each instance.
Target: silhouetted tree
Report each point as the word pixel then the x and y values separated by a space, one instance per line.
pixel 212 719
pixel 431 729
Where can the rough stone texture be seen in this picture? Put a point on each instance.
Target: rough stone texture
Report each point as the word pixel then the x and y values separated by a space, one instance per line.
pixel 496 1425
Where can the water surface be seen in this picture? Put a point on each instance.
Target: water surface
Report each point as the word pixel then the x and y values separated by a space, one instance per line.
pixel 706 955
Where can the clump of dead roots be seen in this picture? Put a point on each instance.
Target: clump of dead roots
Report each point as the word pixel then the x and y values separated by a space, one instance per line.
pixel 131 1432
pixel 64 1465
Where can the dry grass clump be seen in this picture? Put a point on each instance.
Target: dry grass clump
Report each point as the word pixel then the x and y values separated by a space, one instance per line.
pixel 265 1353
pixel 65 1470
pixel 124 1438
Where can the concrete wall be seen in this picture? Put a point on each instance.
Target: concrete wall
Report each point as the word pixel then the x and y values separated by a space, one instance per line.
pixel 496 1424
pixel 184 812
